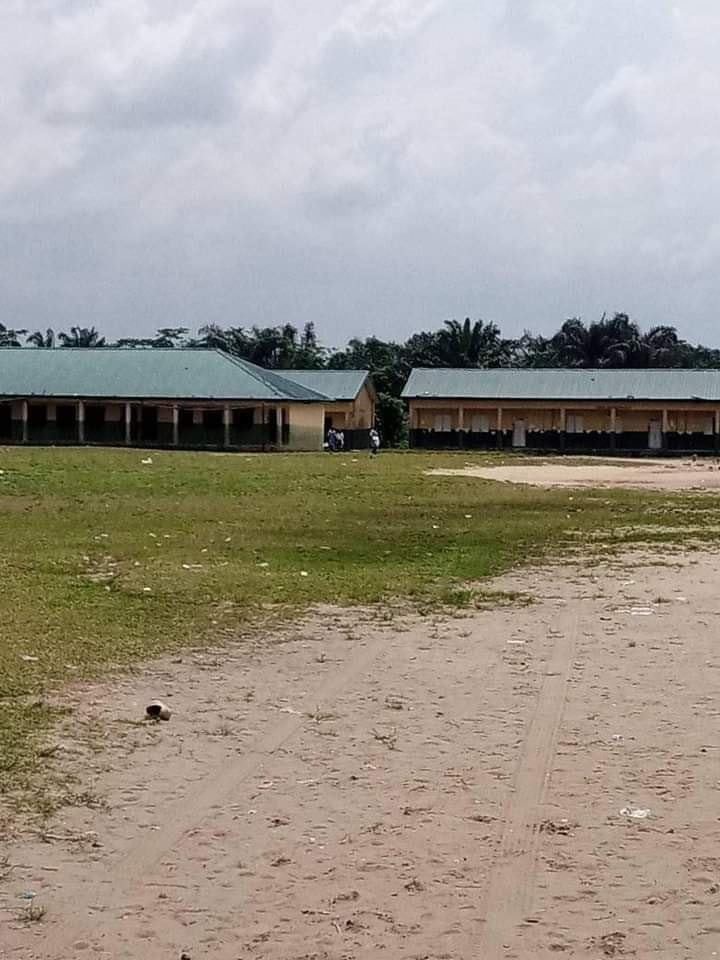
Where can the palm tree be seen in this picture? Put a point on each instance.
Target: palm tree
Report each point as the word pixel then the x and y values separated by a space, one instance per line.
pixel 9 337
pixel 604 343
pixel 43 340
pixel 471 344
pixel 81 337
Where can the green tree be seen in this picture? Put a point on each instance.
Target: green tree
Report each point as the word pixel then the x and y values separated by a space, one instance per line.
pixel 473 344
pixel 81 337
pixel 10 337
pixel 42 340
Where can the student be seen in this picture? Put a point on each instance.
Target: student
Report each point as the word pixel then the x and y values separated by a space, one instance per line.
pixel 340 436
pixel 374 442
pixel 332 440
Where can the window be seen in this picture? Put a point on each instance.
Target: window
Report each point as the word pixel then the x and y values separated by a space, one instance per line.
pixel 94 416
pixel 574 423
pixel 443 422
pixel 212 419
pixel 65 415
pixel 480 423
pixel 185 418
pixel 243 418
pixel 37 414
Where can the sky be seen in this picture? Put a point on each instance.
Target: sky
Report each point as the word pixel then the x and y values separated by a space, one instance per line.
pixel 376 167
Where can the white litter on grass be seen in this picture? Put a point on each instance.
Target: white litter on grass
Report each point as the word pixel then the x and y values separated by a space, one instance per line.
pixel 637 611
pixel 304 573
pixel 153 535
pixel 146 462
pixel 635 814
pixel 147 590
pixel 228 539
pixel 28 659
pixel 192 566
pixel 264 564
pixel 435 526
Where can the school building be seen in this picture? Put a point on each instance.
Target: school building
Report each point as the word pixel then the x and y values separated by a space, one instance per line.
pixel 192 399
pixel 584 411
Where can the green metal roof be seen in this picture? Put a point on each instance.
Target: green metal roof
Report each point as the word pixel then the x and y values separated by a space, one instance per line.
pixel 336 384
pixel 107 372
pixel 691 385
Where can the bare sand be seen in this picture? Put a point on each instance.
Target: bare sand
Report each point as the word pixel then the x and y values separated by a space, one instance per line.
pixel 523 782
pixel 571 472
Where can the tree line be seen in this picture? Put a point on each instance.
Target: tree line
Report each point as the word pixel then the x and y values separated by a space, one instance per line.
pixel 611 341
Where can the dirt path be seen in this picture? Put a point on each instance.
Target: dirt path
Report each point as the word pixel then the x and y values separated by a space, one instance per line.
pixel 645 474
pixel 360 788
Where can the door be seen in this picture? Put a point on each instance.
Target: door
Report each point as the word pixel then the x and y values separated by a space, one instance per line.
pixel 519 433
pixel 655 435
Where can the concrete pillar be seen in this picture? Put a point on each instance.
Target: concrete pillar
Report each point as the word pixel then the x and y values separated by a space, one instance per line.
pixel 81 421
pixel 499 427
pixel 24 421
pixel 176 425
pixel 613 427
pixel 563 427
pixel 716 431
pixel 226 426
pixel 128 424
pixel 665 428
pixel 461 426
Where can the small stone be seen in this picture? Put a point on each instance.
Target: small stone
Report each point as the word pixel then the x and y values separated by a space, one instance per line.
pixel 157 710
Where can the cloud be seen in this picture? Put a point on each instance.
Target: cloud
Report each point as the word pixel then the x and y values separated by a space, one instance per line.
pixel 375 166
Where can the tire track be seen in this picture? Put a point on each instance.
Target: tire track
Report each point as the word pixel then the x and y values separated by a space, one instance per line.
pixel 511 885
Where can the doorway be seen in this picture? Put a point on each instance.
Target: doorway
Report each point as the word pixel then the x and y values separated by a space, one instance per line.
pixel 518 433
pixel 655 436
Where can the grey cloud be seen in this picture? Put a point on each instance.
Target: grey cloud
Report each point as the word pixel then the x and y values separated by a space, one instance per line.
pixel 373 166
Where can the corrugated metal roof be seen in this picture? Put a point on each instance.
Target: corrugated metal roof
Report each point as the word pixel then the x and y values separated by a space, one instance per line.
pixel 336 384
pixel 565 384
pixel 106 372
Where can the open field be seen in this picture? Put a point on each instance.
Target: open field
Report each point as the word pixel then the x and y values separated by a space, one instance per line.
pixel 106 560
pixel 369 754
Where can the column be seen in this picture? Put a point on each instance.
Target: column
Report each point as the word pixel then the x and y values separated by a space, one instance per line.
pixel 128 424
pixel 176 424
pixel 226 426
pixel 24 421
pixel 613 427
pixel 461 426
pixel 717 431
pixel 499 425
pixel 665 428
pixel 563 427
pixel 81 421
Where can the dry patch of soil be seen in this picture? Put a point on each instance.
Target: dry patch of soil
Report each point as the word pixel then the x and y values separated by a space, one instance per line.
pixel 643 474
pixel 514 783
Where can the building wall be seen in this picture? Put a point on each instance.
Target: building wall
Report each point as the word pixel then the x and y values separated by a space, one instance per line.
pixel 456 422
pixel 306 421
pixel 357 414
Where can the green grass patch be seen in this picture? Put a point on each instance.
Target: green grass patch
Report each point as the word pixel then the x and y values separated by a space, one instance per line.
pixel 105 561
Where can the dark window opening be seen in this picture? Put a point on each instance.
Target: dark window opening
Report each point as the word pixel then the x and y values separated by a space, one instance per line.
pixel 244 418
pixel 185 418
pixel 95 417
pixel 37 414
pixel 149 421
pixel 5 420
pixel 64 415
pixel 212 419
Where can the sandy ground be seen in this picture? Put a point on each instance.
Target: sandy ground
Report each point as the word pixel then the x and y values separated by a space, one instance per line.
pixel 525 782
pixel 568 472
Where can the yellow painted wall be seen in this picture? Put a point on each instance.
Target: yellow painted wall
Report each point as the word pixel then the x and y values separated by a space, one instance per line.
pixel 306 426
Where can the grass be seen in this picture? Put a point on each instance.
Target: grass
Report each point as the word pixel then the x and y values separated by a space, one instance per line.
pixel 105 561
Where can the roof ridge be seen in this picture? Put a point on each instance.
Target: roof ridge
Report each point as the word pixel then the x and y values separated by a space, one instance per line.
pixel 267 377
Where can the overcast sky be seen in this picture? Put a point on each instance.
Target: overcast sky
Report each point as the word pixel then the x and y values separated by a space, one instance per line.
pixel 375 166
